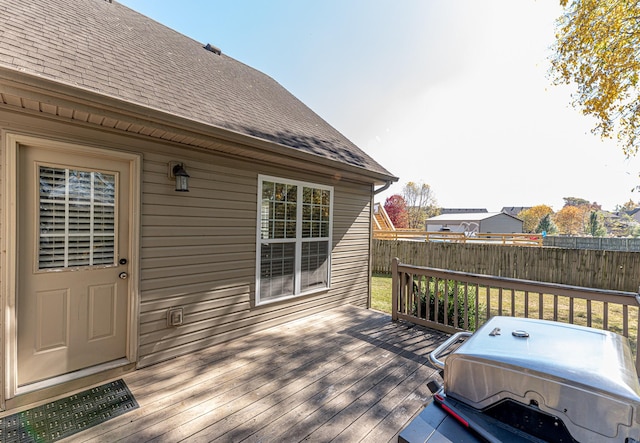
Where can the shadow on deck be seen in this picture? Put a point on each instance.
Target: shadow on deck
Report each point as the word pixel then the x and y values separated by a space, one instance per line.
pixel 346 375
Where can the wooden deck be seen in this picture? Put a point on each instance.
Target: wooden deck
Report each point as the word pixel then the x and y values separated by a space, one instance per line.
pixel 346 375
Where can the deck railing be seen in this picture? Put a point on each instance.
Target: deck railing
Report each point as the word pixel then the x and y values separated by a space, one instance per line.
pixel 451 301
pixel 513 239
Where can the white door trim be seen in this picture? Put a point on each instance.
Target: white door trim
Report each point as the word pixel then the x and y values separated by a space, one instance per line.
pixel 9 248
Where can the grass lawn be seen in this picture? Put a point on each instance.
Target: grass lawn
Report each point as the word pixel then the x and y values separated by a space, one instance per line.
pixel 381 292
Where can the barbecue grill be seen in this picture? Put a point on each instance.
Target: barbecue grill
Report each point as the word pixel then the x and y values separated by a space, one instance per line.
pixel 520 379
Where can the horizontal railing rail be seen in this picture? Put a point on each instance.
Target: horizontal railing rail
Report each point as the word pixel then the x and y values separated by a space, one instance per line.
pixel 452 301
pixel 513 239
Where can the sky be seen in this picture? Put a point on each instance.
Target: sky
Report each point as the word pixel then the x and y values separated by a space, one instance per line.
pixel 452 93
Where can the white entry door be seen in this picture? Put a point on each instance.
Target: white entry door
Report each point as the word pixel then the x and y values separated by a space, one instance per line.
pixel 72 287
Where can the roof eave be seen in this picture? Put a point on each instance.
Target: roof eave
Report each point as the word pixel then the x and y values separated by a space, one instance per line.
pixel 58 93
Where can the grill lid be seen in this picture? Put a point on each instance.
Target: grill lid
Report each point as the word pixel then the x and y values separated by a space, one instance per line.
pixel 580 355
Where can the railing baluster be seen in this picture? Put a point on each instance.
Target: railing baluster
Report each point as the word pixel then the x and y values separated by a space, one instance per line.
pixel 394 290
pixel 445 303
pixel 477 306
pixel 488 298
pixel 411 283
pixel 571 309
pixel 540 306
pixel 466 304
pixel 456 322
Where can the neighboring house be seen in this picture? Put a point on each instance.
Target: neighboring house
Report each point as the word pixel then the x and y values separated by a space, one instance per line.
pixel 634 214
pixel 461 210
pixel 490 222
pixel 105 267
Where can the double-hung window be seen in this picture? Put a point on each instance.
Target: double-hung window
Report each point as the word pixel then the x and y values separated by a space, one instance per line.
pixel 293 238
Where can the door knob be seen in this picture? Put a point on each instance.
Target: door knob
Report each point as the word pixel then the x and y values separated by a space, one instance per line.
pixel 123 275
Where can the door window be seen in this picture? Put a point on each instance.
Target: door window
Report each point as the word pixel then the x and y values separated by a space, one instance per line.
pixel 77 218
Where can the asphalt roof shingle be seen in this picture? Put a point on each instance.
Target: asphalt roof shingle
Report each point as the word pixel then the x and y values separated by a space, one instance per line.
pixel 112 50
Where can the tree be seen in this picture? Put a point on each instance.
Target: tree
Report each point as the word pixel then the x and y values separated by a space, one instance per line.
pixel 570 220
pixel 397 211
pixel 595 226
pixel 532 217
pixel 596 48
pixel 421 203
pixel 547 225
pixel 575 201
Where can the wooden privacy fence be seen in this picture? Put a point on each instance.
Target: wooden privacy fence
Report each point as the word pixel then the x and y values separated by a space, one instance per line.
pixel 451 301
pixel 459 237
pixel 615 270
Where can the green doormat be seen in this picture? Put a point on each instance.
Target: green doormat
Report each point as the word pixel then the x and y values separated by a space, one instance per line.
pixel 67 416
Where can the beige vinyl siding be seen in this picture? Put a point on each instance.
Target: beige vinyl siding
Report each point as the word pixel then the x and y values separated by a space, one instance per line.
pixel 198 252
pixel 198 249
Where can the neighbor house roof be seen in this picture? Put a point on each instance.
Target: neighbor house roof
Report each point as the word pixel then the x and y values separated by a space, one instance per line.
pixel 461 210
pixel 514 210
pixel 469 216
pixel 109 49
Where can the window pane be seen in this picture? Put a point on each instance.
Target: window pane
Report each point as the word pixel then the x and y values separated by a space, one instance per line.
pixel 79 185
pixel 306 229
pixel 316 209
pixel 52 252
pixel 268 190
pixel 79 218
pixel 315 265
pixel 276 270
pixel 292 193
pixel 278 210
pixel 324 229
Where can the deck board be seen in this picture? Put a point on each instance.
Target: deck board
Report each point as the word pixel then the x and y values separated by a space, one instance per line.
pixel 345 375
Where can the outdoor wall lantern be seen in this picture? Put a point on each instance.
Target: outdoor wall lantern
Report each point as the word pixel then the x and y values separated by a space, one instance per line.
pixel 177 171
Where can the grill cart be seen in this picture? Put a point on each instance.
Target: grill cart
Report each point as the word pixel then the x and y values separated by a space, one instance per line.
pixel 527 380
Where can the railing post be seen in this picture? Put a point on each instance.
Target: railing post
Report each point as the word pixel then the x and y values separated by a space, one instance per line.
pixel 395 288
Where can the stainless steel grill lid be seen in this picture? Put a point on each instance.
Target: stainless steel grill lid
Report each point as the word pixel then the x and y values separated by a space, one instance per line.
pixel 583 375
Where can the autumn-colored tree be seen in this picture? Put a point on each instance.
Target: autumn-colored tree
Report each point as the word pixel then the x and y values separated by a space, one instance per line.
pixel 396 209
pixel 421 203
pixel 596 49
pixel 581 203
pixel 570 220
pixel 532 216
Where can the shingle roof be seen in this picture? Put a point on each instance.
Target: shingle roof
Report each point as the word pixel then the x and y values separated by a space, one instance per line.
pixel 110 49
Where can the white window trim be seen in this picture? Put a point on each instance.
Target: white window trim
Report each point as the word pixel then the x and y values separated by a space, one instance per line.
pixel 298 240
